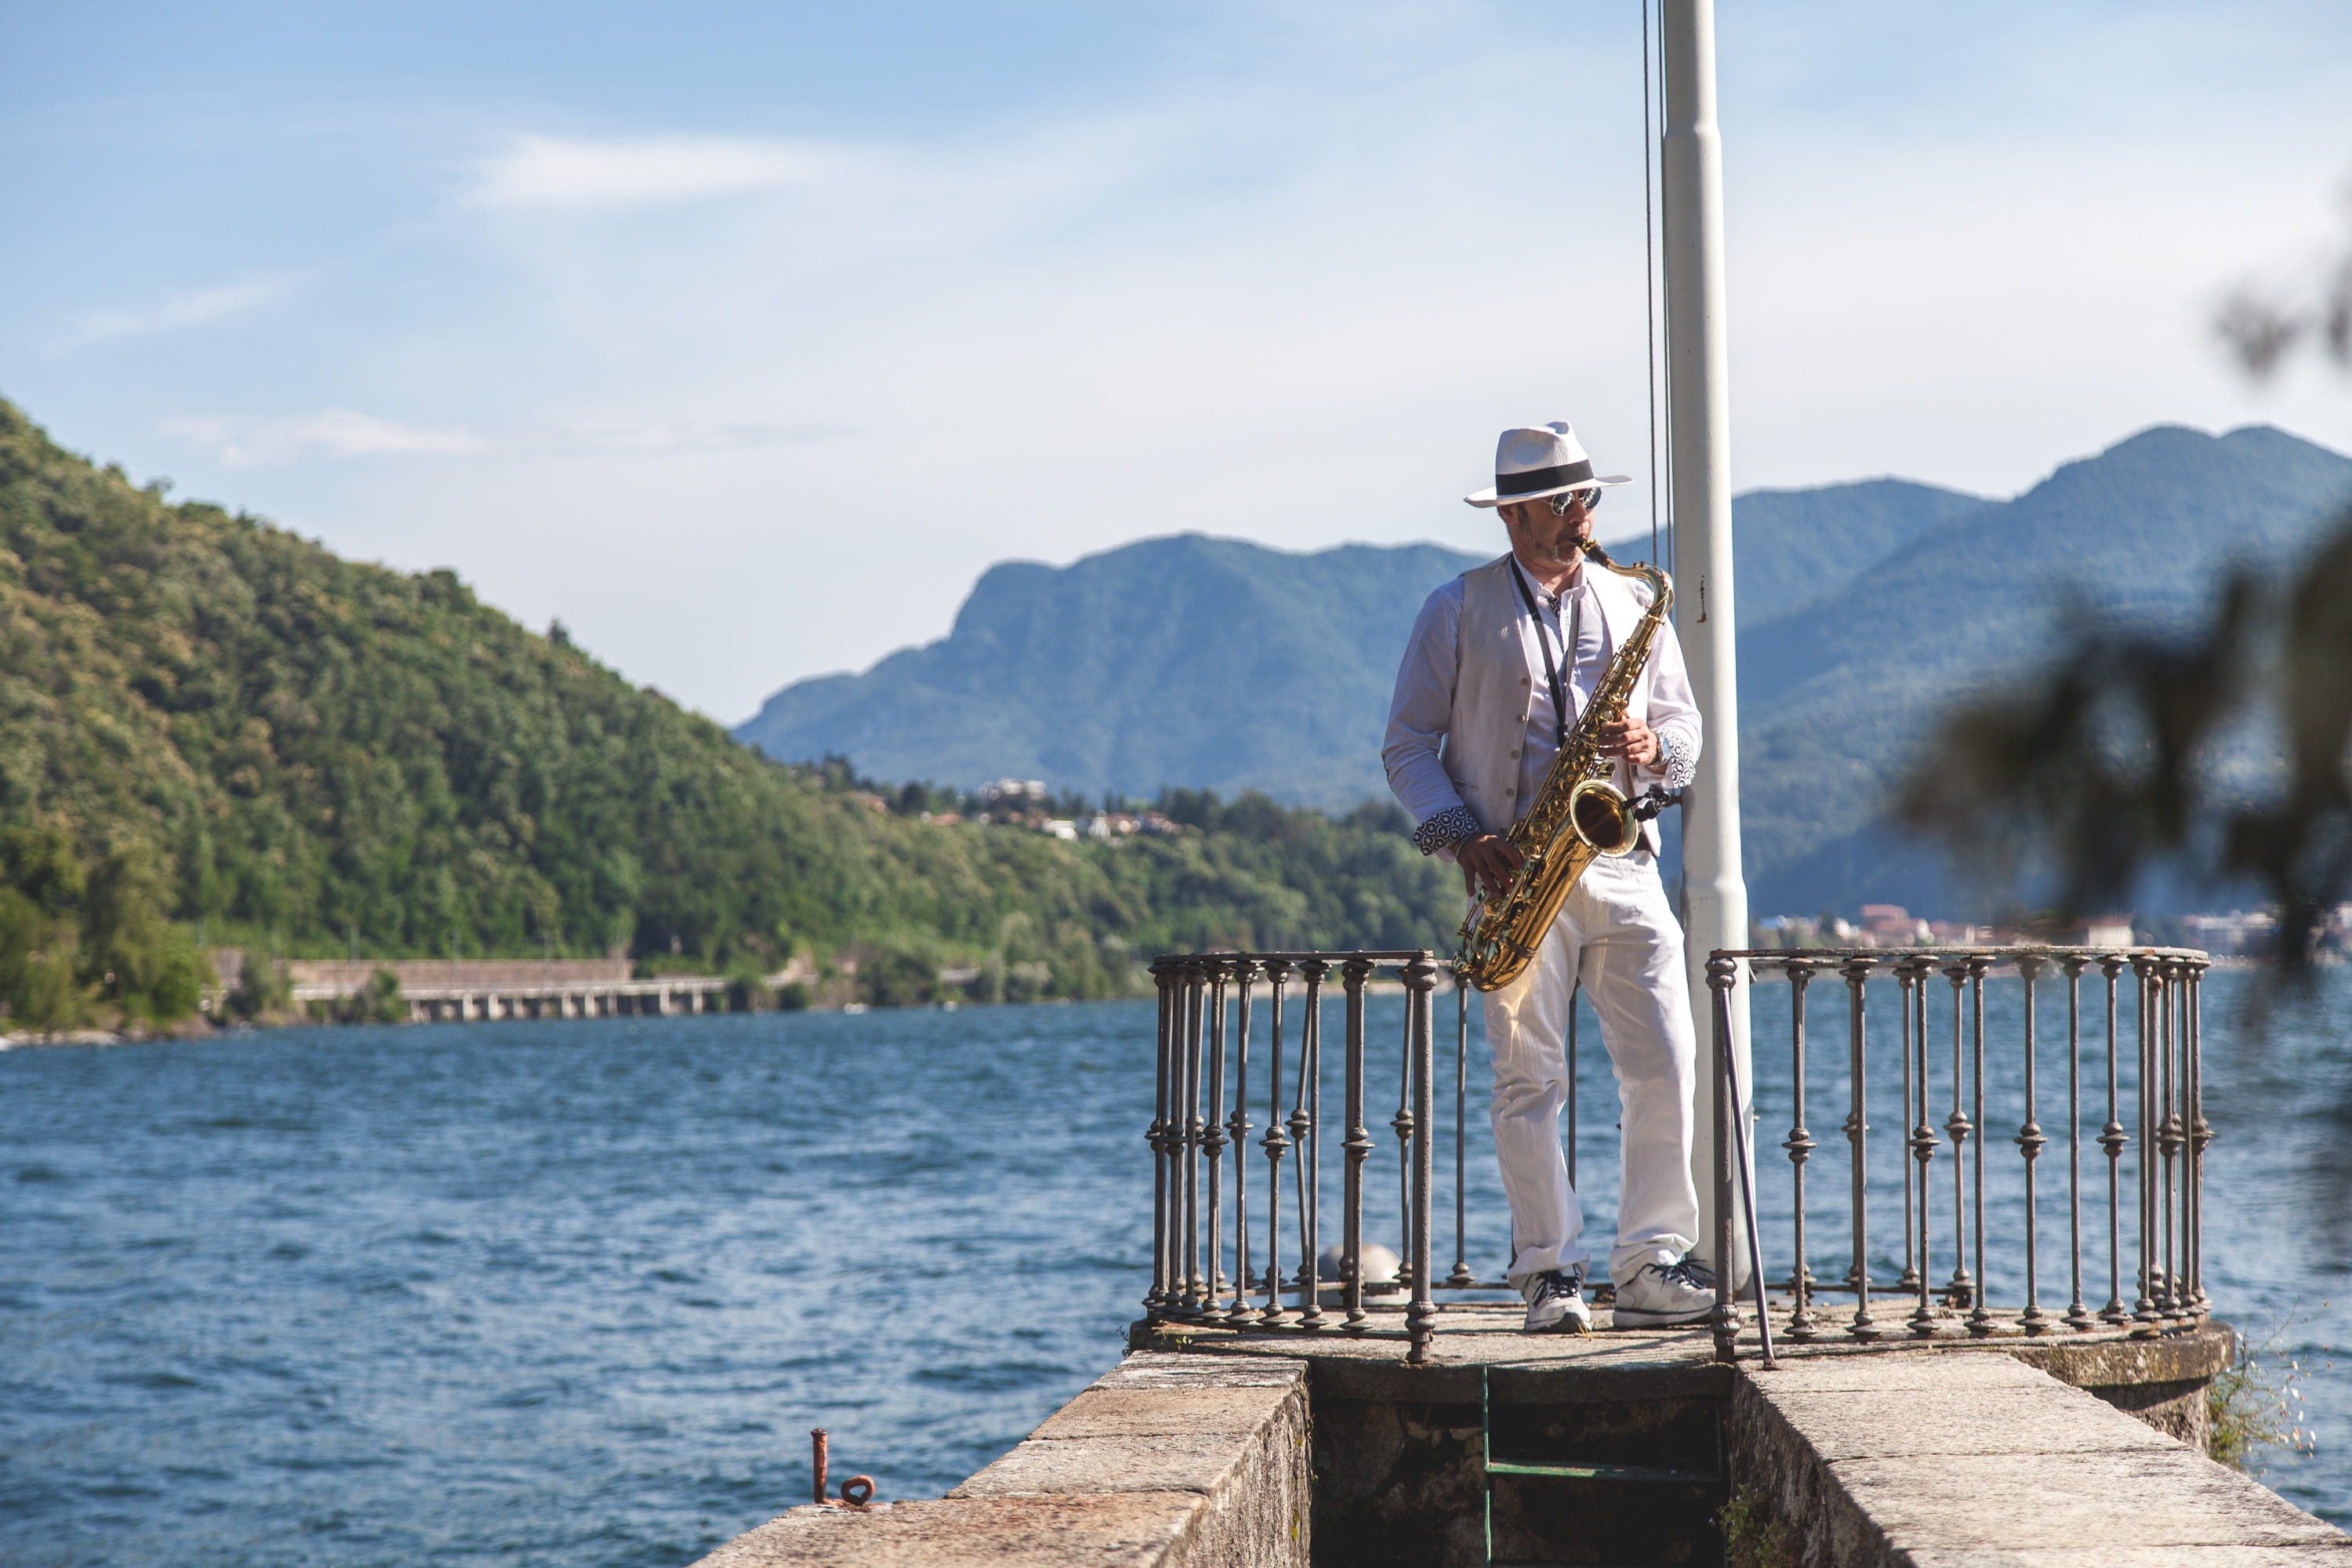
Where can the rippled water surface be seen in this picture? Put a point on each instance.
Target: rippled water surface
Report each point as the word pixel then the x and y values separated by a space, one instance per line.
pixel 574 1291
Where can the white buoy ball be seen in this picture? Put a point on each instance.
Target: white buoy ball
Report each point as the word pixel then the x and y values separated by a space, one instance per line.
pixel 1380 1265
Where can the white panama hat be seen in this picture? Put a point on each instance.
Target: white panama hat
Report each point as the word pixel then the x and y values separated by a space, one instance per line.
pixel 1538 460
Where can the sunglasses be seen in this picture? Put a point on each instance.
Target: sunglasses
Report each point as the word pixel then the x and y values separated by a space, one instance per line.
pixel 1565 502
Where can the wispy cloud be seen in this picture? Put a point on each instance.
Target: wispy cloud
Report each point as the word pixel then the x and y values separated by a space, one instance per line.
pixel 330 433
pixel 180 309
pixel 559 173
pixel 335 433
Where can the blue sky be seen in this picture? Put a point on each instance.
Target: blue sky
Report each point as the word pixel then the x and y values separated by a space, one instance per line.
pixel 742 337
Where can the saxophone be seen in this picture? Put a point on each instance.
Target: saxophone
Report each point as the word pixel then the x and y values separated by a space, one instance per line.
pixel 1576 816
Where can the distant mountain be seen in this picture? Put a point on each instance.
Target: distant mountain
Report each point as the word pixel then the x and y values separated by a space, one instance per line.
pixel 1193 661
pixel 1222 664
pixel 1864 607
pixel 1835 698
pixel 1797 547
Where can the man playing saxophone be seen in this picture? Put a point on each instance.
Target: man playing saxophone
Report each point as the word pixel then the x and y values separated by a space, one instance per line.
pixel 1501 665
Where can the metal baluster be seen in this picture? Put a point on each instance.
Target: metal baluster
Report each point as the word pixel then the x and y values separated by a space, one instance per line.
pixel 2179 1230
pixel 1238 1124
pixel 1461 1275
pixel 2078 1316
pixel 1276 1141
pixel 1356 1149
pixel 1401 1123
pixel 1193 1303
pixel 1857 971
pixel 1304 1111
pixel 2113 1139
pixel 2146 1324
pixel 1155 1300
pixel 1803 1325
pixel 1960 1290
pixel 1923 1142
pixel 2200 1135
pixel 1907 992
pixel 1722 973
pixel 1979 1319
pixel 1421 1312
pixel 2173 1136
pixel 1216 1136
pixel 2030 1143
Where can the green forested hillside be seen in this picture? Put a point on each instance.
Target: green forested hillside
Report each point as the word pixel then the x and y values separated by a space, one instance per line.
pixel 215 730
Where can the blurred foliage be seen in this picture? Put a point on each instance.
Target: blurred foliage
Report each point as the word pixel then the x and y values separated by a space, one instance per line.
pixel 2107 765
pixel 2264 327
pixel 2095 772
pixel 214 729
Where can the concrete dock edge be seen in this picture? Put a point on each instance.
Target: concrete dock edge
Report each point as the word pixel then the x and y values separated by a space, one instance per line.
pixel 1166 1461
pixel 1981 1462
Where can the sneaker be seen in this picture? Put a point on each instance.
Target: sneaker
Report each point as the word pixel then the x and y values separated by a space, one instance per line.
pixel 1556 1303
pixel 1661 1295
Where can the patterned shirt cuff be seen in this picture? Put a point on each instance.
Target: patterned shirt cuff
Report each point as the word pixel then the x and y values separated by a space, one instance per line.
pixel 1678 768
pixel 1446 828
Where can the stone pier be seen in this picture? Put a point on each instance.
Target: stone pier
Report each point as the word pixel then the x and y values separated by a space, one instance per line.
pixel 1258 1445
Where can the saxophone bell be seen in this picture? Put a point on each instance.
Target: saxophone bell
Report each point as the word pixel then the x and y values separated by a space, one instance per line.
pixel 1603 818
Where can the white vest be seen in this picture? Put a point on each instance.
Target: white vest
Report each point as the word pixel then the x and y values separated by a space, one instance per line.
pixel 1499 663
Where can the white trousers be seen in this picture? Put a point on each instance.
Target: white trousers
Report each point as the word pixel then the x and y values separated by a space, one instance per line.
pixel 1616 935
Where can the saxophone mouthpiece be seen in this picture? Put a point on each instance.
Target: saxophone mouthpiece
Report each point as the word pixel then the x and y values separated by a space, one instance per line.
pixel 1592 549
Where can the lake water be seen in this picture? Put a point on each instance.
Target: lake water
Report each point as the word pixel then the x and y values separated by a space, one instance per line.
pixel 573 1292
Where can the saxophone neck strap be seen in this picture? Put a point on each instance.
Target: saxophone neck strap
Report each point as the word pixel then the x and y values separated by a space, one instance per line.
pixel 1551 670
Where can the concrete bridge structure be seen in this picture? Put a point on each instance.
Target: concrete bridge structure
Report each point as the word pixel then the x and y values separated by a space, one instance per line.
pixel 460 990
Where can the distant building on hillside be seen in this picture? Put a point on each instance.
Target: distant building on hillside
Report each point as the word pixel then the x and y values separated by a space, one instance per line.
pixel 1800 931
pixel 2235 934
pixel 1891 925
pixel 1014 793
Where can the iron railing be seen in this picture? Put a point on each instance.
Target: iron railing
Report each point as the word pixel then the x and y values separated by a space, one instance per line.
pixel 2139 1039
pixel 1241 1034
pixel 1207 1032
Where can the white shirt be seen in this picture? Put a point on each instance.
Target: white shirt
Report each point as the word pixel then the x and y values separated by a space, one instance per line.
pixel 1571 613
pixel 1422 716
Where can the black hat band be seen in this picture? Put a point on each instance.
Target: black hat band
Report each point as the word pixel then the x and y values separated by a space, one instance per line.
pixel 1535 480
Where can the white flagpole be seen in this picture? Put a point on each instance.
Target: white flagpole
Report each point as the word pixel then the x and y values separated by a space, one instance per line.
pixel 1715 894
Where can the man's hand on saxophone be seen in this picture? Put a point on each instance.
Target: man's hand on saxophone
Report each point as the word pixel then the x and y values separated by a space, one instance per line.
pixel 1490 860
pixel 1632 739
pixel 1489 863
